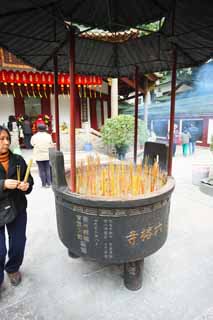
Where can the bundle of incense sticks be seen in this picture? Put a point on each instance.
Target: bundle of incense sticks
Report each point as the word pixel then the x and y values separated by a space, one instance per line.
pixel 28 170
pixel 18 172
pixel 118 179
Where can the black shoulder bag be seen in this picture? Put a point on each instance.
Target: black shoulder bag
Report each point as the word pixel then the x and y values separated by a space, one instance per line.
pixel 8 211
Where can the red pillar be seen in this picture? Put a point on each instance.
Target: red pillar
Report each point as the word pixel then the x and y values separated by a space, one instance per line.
pixel 72 112
pixel 55 60
pixel 19 105
pixel 172 112
pixel 45 105
pixel 136 115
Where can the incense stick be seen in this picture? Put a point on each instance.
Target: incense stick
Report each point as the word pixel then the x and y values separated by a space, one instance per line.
pixel 18 170
pixel 28 170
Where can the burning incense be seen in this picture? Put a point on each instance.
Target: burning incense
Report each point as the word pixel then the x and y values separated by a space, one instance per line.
pixel 118 180
pixel 28 170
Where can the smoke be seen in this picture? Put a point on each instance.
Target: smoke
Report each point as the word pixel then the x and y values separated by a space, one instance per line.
pixel 204 79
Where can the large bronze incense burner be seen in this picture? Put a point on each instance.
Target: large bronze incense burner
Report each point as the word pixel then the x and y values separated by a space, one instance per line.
pixel 111 231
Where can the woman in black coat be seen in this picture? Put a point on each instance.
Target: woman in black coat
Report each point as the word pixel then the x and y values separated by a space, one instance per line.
pixel 13 204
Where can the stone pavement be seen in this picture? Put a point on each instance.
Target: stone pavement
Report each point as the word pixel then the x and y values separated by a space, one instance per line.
pixel 178 279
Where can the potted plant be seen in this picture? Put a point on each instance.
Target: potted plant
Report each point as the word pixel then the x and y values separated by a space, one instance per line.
pixel 119 132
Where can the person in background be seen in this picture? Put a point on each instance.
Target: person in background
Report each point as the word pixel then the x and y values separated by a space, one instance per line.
pixel 152 136
pixel 185 136
pixel 175 139
pixel 14 133
pixel 13 198
pixel 27 130
pixel 11 123
pixel 42 141
pixel 39 120
pixel 194 132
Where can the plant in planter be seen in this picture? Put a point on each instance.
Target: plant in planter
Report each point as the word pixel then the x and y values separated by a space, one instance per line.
pixel 119 132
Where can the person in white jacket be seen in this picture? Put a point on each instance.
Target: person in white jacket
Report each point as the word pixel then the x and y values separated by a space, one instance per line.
pixel 41 142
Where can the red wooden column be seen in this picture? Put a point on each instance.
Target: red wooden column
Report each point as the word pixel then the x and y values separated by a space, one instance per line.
pixel 136 115
pixel 72 111
pixel 55 60
pixel 172 112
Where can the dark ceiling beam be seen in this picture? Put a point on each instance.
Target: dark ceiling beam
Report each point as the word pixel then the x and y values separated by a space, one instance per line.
pixel 27 37
pixel 185 53
pixel 23 11
pixel 54 52
pixel 131 83
pixel 109 13
pixel 51 13
pixel 76 7
pixel 159 5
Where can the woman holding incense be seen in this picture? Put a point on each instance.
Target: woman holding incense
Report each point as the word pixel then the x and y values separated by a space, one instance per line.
pixel 14 185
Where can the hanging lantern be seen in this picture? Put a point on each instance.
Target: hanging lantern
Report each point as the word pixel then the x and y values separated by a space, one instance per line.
pixel 43 82
pixel 99 82
pixel 18 81
pixel 11 80
pixel 37 79
pixel 50 80
pixel 89 82
pixel 31 82
pixel 61 82
pixel 84 82
pixel 78 82
pixel 94 82
pixel 5 80
pixel 67 83
pixel 24 80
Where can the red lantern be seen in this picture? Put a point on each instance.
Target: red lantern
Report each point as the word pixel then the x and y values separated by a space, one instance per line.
pixel 89 79
pixel 17 77
pixel 31 80
pixel 43 78
pixel 78 81
pixel 43 82
pixel 67 82
pixel 18 81
pixel 11 77
pixel 94 82
pixel 37 78
pixel 31 77
pixel 50 78
pixel 63 79
pixel 61 82
pixel 24 77
pixel 84 81
pixel 4 76
pixel 99 81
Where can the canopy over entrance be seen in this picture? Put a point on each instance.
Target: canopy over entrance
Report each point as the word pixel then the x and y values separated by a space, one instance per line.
pixel 36 30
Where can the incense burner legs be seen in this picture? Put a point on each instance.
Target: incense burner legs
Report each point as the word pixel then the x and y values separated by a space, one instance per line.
pixel 133 274
pixel 72 255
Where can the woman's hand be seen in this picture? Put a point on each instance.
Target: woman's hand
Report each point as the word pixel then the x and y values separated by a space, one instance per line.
pixel 23 186
pixel 10 184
